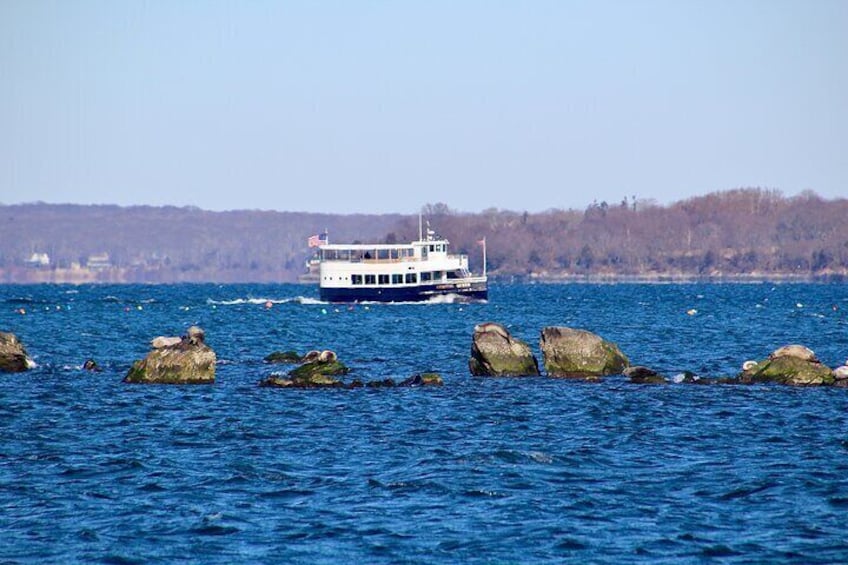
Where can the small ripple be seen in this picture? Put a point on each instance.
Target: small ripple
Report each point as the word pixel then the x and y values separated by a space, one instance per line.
pixel 746 492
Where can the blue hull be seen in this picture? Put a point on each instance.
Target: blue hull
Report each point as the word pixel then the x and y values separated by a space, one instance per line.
pixel 403 294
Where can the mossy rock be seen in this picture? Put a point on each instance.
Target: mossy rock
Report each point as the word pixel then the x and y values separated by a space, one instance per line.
pixel 283 357
pixel 314 381
pixel 308 370
pixel 569 352
pixel 495 353
pixel 789 371
pixel 185 363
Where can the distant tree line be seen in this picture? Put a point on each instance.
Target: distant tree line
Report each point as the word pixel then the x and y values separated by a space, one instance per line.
pixel 170 244
pixel 739 232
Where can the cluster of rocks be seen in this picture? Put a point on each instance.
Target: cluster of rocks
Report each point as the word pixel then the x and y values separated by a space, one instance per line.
pixel 318 369
pixel 579 354
pixel 566 353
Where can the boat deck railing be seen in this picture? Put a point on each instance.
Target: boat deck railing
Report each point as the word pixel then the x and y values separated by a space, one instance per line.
pixel 373 260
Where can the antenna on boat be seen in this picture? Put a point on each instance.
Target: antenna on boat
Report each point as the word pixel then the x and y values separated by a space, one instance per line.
pixel 483 243
pixel 420 228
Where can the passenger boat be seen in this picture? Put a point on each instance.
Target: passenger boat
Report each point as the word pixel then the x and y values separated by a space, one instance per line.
pixel 411 272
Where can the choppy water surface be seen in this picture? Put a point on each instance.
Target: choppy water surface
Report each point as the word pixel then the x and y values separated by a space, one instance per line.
pixel 480 470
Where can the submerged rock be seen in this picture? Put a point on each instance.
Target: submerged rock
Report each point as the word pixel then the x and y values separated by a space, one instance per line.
pixel 190 361
pixel 793 365
pixel 13 355
pixel 569 352
pixel 423 379
pixel 494 352
pixel 643 375
pixel 385 383
pixel 283 357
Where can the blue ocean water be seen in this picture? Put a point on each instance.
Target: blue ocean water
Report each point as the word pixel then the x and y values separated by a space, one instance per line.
pixel 480 470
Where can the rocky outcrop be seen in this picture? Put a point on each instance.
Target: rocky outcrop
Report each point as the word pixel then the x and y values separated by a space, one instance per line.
pixel 190 361
pixel 13 355
pixel 790 365
pixel 495 353
pixel 569 352
pixel 644 376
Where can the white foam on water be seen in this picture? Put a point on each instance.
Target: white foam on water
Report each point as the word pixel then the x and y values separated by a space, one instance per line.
pixel 264 301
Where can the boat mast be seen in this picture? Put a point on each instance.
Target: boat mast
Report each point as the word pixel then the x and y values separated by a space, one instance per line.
pixel 484 257
pixel 420 228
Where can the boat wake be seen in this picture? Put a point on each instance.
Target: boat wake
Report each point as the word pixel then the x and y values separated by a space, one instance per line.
pixel 312 301
pixel 265 301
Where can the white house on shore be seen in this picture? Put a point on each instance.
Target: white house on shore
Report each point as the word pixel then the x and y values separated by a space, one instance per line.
pixel 37 260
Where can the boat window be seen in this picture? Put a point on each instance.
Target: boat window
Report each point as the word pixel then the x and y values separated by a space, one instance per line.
pixel 382 254
pixel 397 279
pixel 432 247
pixel 425 277
pixel 437 276
pixel 370 279
pixel 383 279
pixel 355 279
pixel 343 254
pixel 411 278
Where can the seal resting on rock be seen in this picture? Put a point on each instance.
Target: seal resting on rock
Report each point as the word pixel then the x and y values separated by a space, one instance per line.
pixel 13 355
pixel 789 365
pixel 796 351
pixel 189 361
pixel 164 341
pixel 495 353
pixel 841 375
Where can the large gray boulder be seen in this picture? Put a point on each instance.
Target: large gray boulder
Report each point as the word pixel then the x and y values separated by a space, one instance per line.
pixel 13 356
pixel 569 352
pixel 190 361
pixel 495 353
pixel 793 365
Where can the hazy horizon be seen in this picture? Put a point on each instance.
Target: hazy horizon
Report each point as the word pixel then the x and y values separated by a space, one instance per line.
pixel 373 107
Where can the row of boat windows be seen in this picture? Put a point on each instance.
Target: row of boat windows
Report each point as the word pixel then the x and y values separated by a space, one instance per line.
pixel 408 278
pixel 405 278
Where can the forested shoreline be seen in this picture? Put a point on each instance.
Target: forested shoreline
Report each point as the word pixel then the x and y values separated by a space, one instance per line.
pixel 739 234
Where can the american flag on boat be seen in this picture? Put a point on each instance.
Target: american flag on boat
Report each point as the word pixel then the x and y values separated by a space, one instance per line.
pixel 317 240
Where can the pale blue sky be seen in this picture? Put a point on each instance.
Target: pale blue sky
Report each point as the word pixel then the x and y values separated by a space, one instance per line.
pixel 373 106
